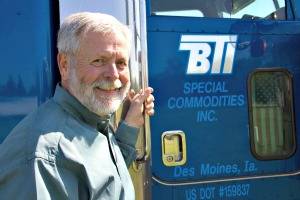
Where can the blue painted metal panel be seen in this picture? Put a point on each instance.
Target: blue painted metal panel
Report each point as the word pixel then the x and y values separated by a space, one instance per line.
pixel 250 190
pixel 27 77
pixel 221 142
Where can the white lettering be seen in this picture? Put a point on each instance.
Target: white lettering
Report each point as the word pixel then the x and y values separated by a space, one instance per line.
pixel 200 50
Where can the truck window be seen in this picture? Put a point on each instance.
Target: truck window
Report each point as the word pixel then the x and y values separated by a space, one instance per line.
pixel 271 114
pixel 116 8
pixel 238 9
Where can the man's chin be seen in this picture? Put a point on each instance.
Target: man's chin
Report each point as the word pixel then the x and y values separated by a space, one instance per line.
pixel 106 108
pixel 103 103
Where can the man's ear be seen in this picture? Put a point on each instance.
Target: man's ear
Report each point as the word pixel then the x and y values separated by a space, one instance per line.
pixel 64 66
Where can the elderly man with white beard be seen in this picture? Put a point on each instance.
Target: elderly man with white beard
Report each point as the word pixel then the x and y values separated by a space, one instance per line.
pixel 66 149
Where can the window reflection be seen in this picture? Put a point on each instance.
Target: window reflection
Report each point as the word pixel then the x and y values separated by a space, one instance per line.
pixel 239 9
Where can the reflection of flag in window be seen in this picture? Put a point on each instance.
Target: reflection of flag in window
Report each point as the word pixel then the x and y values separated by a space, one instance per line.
pixel 270 127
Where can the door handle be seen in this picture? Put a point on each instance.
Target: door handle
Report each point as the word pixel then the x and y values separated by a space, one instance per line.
pixel 173 148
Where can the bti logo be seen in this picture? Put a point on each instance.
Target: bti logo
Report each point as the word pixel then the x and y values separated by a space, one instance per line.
pixel 200 50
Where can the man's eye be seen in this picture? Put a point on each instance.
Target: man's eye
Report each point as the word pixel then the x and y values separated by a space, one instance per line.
pixel 121 63
pixel 98 62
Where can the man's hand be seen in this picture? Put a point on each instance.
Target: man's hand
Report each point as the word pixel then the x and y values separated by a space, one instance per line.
pixel 140 102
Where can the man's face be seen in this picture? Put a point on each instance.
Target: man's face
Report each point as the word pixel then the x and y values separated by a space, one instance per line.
pixel 99 73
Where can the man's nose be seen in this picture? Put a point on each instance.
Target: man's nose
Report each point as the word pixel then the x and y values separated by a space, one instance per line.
pixel 111 71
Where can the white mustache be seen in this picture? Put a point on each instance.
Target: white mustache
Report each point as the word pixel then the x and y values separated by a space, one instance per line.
pixel 108 85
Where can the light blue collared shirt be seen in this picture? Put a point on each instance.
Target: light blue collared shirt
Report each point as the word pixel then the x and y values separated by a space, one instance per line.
pixel 62 151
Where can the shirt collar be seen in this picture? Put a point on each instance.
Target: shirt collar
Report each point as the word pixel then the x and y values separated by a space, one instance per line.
pixel 69 103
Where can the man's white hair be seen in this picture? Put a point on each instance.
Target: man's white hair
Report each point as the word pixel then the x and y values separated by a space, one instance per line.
pixel 76 25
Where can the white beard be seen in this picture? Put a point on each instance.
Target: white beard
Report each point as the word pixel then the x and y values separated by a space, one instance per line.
pixel 101 105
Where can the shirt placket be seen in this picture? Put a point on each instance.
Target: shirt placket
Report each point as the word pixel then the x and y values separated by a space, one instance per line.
pixel 105 131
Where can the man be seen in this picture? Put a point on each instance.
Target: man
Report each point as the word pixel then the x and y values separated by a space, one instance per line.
pixel 66 149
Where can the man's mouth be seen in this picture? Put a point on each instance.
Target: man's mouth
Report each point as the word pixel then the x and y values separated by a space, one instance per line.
pixel 109 86
pixel 108 89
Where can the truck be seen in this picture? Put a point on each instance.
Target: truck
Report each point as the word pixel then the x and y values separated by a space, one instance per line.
pixel 225 76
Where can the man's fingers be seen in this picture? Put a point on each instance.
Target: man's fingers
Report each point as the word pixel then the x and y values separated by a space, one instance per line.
pixel 149 105
pixel 147 94
pixel 142 102
pixel 150 98
pixel 148 90
pixel 131 94
pixel 142 95
pixel 150 112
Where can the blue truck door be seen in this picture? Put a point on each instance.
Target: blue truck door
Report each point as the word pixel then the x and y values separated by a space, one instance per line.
pixel 223 75
pixel 28 70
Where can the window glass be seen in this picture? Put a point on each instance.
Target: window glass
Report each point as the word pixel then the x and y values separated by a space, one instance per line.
pixel 241 9
pixel 257 9
pixel 117 8
pixel 271 114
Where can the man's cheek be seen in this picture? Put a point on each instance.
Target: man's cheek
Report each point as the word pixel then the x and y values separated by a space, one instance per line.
pixel 125 78
pixel 88 75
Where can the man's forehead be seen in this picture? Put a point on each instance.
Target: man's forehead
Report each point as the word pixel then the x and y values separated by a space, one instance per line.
pixel 105 44
pixel 111 52
pixel 117 38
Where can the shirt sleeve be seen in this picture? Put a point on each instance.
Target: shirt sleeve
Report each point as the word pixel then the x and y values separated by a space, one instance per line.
pixel 40 179
pixel 16 182
pixel 126 137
